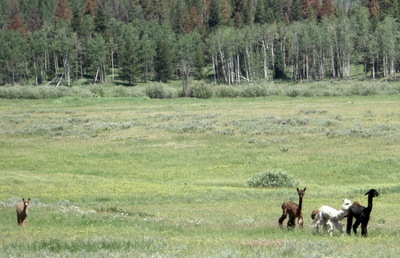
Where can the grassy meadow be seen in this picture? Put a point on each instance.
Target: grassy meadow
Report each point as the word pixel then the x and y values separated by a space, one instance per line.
pixel 138 177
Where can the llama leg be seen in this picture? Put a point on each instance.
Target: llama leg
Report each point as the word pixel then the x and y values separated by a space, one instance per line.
pixel 364 232
pixel 317 226
pixel 325 225
pixel 355 226
pixel 300 221
pixel 339 226
pixel 330 227
pixel 283 217
pixel 319 221
pixel 349 223
pixel 291 222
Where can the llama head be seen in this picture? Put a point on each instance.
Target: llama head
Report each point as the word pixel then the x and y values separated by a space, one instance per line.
pixel 372 192
pixel 346 204
pixel 301 192
pixel 26 202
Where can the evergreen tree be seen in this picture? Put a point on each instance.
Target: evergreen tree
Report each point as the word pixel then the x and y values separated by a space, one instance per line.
pixel 163 61
pixel 178 19
pixel 129 55
pixel 249 12
pixel 187 26
pixel 373 8
pixel 388 8
pixel 327 8
pixel 100 21
pixel 226 13
pixel 16 24
pixel 199 62
pixel 311 8
pixel 296 14
pixel 13 53
pixel 90 7
pixel 363 39
pixel 270 16
pixel 279 65
pixel 214 17
pixel 34 21
pixel 76 22
pixel 260 15
pixel 197 19
pixel 62 11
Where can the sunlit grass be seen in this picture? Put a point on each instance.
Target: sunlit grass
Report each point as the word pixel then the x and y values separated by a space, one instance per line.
pixel 140 177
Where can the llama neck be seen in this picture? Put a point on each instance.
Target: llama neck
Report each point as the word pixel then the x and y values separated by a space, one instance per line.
pixel 341 214
pixel 370 201
pixel 300 206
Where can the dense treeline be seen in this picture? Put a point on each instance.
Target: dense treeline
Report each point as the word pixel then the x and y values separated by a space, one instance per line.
pixel 230 41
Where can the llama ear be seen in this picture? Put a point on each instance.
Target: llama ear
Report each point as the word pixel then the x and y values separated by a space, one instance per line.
pixel 298 189
pixel 305 188
pixel 29 199
pixel 23 199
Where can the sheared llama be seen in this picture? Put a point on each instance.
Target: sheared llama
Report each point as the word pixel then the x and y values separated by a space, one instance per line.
pixel 22 211
pixel 329 217
pixel 315 212
pixel 293 210
pixel 361 214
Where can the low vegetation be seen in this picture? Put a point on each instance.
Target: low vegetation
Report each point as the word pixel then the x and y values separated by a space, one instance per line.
pixel 136 176
pixel 204 90
pixel 274 178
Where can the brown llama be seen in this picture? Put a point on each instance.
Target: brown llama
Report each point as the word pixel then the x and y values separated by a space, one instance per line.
pixel 22 211
pixel 293 210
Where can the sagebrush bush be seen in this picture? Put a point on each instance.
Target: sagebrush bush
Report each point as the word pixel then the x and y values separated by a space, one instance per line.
pixel 158 91
pixel 225 91
pixel 200 90
pixel 97 90
pixel 253 91
pixel 272 178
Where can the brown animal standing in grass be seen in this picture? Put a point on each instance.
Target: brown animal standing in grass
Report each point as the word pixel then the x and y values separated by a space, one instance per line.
pixel 22 211
pixel 293 210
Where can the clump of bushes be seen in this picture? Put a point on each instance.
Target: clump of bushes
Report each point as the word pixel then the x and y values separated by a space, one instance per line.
pixel 253 91
pixel 200 90
pixel 272 178
pixel 158 91
pixel 225 91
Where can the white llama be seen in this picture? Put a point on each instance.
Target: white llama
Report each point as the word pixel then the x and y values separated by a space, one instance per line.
pixel 329 217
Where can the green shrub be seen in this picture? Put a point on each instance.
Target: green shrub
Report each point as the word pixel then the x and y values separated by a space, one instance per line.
pixel 97 90
pixel 158 91
pixel 291 92
pixel 224 91
pixel 200 90
pixel 272 178
pixel 253 91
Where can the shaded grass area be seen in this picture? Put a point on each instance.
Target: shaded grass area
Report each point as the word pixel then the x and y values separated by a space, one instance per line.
pixel 139 177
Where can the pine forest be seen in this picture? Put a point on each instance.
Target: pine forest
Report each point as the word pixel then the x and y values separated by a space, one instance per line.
pixel 59 42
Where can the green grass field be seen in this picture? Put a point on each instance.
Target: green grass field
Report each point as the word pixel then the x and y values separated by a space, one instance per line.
pixel 134 177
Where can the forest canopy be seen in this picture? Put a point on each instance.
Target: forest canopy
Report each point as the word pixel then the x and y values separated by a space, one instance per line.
pixel 226 41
